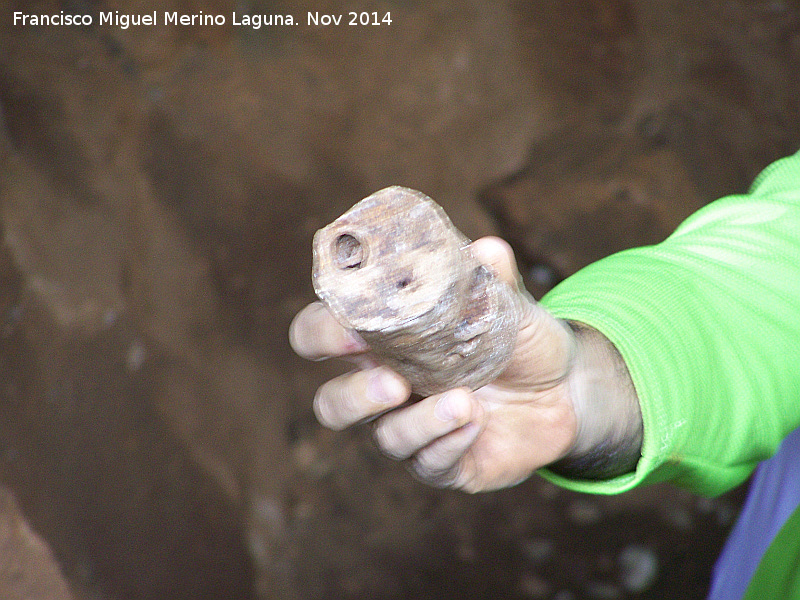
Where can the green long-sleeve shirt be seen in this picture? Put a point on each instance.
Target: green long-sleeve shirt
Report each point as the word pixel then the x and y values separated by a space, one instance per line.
pixel 708 323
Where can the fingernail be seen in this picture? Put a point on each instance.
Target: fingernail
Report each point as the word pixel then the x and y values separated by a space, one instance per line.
pixel 384 387
pixel 446 408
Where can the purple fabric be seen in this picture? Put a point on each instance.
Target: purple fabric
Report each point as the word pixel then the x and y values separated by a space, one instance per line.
pixel 774 495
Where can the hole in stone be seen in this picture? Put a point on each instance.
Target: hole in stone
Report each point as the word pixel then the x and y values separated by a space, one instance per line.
pixel 348 252
pixel 403 283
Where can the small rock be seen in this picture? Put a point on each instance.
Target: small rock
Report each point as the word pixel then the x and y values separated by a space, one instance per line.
pixel 584 512
pixel 638 566
pixel 537 550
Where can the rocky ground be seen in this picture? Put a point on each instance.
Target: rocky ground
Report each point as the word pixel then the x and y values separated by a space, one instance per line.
pixel 160 187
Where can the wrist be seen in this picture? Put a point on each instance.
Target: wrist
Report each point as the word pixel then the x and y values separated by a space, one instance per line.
pixel 609 429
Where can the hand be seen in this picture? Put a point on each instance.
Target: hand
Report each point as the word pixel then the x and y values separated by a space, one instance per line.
pixel 486 439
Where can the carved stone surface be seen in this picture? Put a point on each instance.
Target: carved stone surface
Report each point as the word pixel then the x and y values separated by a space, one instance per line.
pixel 395 269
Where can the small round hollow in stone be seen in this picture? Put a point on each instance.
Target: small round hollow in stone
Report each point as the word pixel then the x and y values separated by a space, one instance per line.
pixel 348 253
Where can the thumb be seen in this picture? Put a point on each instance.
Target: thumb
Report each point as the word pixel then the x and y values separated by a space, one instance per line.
pixel 544 344
pixel 497 254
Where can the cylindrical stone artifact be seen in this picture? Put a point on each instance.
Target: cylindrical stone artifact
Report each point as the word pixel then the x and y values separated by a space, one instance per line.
pixel 396 270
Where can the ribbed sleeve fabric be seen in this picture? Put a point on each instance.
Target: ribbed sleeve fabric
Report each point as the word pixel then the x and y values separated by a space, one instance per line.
pixel 708 323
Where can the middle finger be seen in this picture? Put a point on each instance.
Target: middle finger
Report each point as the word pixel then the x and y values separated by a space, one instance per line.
pixel 403 432
pixel 359 395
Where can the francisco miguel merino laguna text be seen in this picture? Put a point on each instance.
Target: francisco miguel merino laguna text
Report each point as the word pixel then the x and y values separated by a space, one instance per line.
pixel 124 20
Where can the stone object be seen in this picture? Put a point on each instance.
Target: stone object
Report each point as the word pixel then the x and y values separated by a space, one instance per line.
pixel 396 270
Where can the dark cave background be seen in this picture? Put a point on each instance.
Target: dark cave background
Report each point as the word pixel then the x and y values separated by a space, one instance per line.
pixel 160 187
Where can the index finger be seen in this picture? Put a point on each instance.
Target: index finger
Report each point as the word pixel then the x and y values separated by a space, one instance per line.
pixel 315 334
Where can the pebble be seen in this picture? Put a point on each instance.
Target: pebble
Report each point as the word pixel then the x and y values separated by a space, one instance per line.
pixel 638 566
pixel 537 550
pixel 584 512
